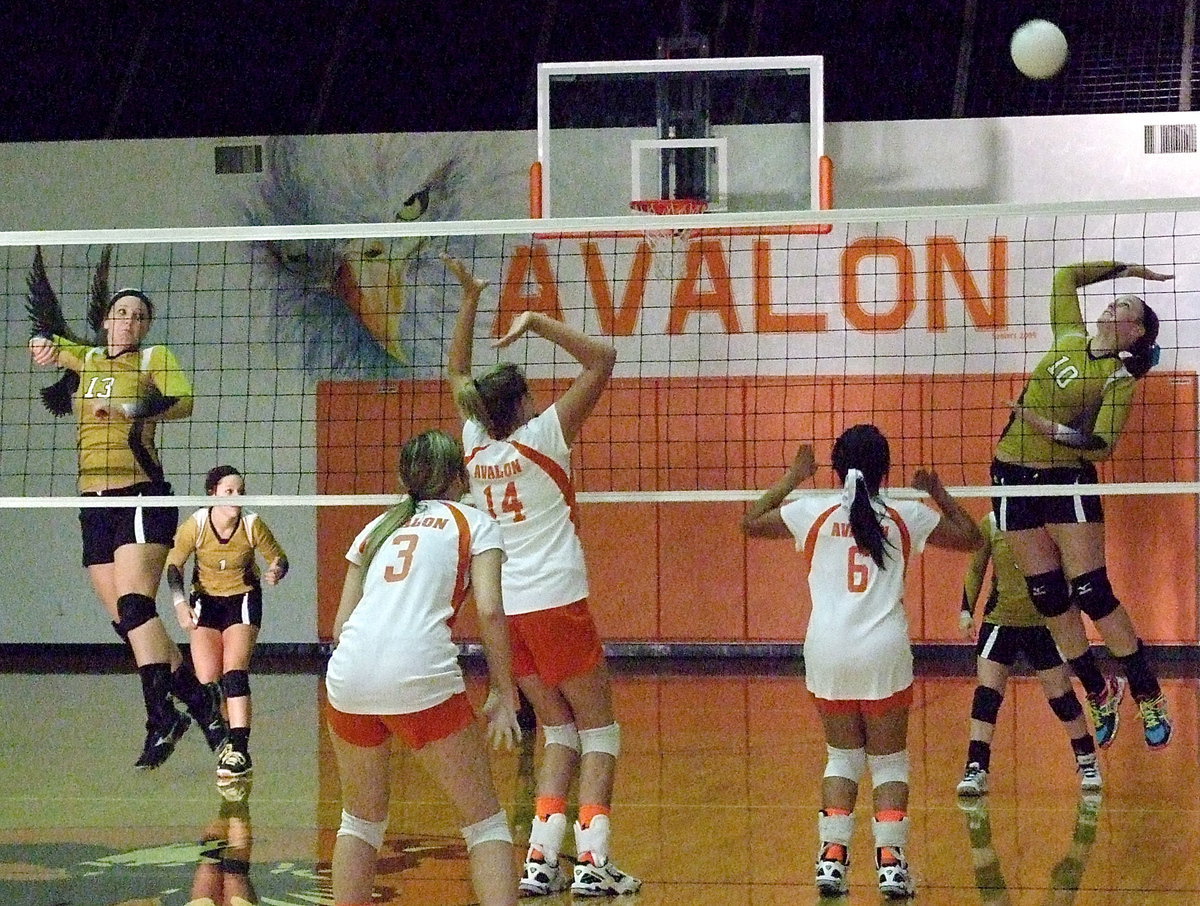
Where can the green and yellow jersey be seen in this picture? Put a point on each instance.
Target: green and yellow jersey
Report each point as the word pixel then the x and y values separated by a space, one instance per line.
pixel 224 566
pixel 136 388
pixel 1070 386
pixel 1008 602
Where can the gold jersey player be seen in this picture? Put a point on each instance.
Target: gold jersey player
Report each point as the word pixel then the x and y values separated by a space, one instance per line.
pixel 1070 416
pixel 124 390
pixel 1012 627
pixel 224 611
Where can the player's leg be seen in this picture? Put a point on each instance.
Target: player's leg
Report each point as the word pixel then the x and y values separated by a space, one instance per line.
pixel 459 764
pixel 1083 560
pixel 887 759
pixel 543 872
pixel 993 663
pixel 362 747
pixel 570 657
pixel 208 655
pixel 135 575
pixel 1037 553
pixel 846 760
pixel 243 617
pixel 1056 683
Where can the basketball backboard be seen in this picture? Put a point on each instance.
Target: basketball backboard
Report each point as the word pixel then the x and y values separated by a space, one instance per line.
pixel 738 133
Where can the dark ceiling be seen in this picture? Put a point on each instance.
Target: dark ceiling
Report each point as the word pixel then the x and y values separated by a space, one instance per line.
pixel 118 70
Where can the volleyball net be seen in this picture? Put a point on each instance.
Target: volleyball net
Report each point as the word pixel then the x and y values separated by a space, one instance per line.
pixel 315 351
pixel 313 354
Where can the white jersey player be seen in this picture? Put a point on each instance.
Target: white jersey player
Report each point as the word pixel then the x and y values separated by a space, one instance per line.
pixel 518 461
pixel 395 670
pixel 857 655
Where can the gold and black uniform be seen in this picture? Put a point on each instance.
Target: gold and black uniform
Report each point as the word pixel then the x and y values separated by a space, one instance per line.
pixel 226 581
pixel 116 452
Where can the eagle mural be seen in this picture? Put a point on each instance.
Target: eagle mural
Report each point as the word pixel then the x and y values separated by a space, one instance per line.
pixel 46 316
pixel 370 308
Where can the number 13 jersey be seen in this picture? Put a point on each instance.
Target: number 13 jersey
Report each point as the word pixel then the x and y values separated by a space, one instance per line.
pixel 857 644
pixel 524 481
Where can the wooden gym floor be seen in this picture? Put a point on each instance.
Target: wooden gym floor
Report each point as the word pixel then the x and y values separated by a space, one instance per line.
pixel 716 799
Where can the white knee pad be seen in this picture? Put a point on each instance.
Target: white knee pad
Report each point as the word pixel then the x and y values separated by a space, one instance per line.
pixel 847 763
pixel 563 735
pixel 370 832
pixel 547 836
pixel 493 828
pixel 835 828
pixel 891 768
pixel 602 739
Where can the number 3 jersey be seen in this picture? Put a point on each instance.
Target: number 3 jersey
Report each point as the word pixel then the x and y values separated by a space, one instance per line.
pixel 395 654
pixel 857 644
pixel 524 481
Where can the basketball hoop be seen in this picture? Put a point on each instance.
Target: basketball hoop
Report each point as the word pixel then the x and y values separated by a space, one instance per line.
pixel 663 241
pixel 669 205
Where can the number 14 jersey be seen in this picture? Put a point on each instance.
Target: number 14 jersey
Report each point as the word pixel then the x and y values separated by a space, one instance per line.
pixel 524 481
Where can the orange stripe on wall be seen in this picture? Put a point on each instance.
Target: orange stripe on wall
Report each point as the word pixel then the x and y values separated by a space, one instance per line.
pixel 683 572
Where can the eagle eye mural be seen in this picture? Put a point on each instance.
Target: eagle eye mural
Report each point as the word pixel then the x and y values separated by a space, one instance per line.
pixel 370 308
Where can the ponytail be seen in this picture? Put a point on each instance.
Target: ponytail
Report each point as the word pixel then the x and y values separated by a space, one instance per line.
pixel 391 521
pixel 864 520
pixel 471 404
pixel 1142 354
pixel 430 463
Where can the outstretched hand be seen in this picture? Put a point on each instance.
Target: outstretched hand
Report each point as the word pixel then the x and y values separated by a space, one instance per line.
pixel 42 351
pixel 456 266
pixel 502 728
pixel 1140 270
pixel 927 480
pixel 804 464
pixel 519 327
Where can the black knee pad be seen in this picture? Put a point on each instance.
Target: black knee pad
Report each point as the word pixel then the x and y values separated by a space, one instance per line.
pixel 236 683
pixel 985 706
pixel 1049 592
pixel 1066 707
pixel 134 610
pixel 1093 594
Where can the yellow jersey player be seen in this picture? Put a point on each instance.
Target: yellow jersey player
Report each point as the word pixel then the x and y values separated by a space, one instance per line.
pixel 1012 627
pixel 1070 416
pixel 123 391
pixel 223 614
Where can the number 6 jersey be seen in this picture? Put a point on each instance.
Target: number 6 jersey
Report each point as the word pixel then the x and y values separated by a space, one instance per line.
pixel 857 644
pixel 524 482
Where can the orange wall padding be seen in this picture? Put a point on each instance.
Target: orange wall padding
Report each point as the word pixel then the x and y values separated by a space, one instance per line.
pixel 683 572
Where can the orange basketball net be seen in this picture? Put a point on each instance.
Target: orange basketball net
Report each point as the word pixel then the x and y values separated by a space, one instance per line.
pixel 669 205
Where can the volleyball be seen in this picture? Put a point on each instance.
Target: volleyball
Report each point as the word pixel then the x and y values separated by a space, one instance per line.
pixel 1039 49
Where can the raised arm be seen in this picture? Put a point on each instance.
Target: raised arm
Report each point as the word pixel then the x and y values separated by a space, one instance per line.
pixel 1065 313
pixel 762 520
pixel 956 529
pixel 596 356
pixel 462 340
